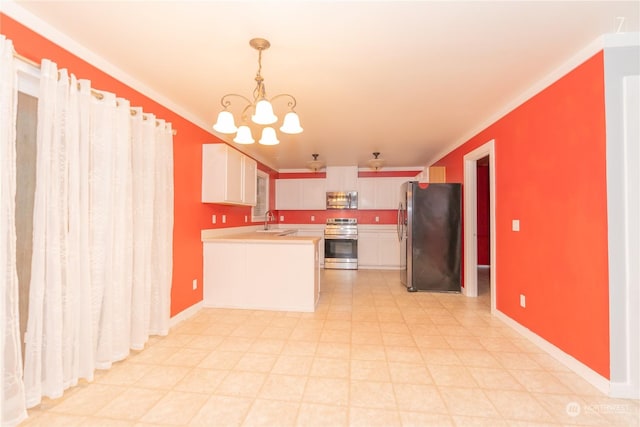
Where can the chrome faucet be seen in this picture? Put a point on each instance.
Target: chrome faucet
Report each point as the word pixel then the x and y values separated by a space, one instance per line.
pixel 268 216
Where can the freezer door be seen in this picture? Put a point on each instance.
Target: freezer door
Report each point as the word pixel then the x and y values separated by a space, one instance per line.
pixel 435 227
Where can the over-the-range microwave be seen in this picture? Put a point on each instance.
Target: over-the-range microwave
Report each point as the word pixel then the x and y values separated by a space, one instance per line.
pixel 342 200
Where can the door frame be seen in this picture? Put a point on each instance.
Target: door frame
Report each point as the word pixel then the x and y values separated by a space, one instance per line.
pixel 470 220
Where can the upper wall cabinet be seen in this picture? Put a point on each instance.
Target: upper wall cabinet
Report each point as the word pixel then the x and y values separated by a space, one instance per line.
pixel 300 194
pixel 342 178
pixel 379 193
pixel 228 176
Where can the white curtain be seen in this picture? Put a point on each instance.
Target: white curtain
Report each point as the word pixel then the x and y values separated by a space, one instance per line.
pixel 12 401
pixel 102 234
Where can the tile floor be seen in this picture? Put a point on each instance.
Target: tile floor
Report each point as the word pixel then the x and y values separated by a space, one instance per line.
pixel 371 355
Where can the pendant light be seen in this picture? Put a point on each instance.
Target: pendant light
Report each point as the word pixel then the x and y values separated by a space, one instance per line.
pixel 260 109
pixel 376 163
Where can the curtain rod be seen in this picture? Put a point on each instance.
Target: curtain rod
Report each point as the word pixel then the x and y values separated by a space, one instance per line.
pixel 95 93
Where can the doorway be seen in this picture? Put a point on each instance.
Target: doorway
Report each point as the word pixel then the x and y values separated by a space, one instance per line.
pixel 486 153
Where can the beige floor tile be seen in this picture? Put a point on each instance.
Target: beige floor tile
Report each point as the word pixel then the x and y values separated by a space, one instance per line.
pixel 333 335
pixel 283 387
pixel 269 413
pixel 52 419
pixel 370 370
pixel 132 404
pixel 372 394
pixel 450 375
pixel 404 354
pixel 245 384
pixel 175 408
pixel 206 342
pixel 276 332
pixel 419 397
pixel 479 358
pixel 292 365
pixel 369 417
pixel 368 352
pixel 495 378
pixel 222 411
pixel 186 357
pixel 256 362
pixel 299 348
pixel 162 377
pixel 124 374
pixel 200 380
pixel 468 401
pixel 440 356
pixel 373 337
pixel 239 344
pixel 88 400
pixel 317 415
pixel 153 355
pixel 329 368
pixel 422 419
pixel 219 359
pixel 331 391
pixel 267 345
pixel 409 373
pixel 335 350
pixel 519 405
pixel 464 421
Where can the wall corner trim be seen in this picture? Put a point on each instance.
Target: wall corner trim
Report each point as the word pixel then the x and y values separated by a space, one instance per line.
pixel 185 314
pixel 586 373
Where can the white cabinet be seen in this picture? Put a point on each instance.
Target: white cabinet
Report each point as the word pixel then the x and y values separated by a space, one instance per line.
pixel 228 176
pixel 342 178
pixel 305 232
pixel 379 193
pixel 300 194
pixel 378 249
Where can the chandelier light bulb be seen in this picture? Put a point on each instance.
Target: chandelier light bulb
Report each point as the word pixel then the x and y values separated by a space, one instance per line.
pixel 244 135
pixel 269 136
pixel 291 123
pixel 225 123
pixel 264 113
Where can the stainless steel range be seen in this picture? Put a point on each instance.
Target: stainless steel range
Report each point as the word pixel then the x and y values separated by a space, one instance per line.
pixel 341 244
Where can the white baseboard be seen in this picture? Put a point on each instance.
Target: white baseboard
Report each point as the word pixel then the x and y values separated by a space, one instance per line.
pixel 185 314
pixel 588 374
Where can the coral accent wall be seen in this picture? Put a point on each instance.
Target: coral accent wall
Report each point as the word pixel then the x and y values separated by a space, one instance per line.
pixel 190 215
pixel 550 174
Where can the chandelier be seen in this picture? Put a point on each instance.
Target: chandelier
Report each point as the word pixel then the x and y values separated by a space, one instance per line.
pixel 260 109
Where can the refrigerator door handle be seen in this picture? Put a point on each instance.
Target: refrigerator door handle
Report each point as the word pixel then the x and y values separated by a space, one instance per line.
pixel 399 224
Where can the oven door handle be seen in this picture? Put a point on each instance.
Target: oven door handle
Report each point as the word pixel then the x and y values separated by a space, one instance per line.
pixel 336 237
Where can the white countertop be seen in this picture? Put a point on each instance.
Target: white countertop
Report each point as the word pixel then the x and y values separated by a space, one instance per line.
pixel 279 235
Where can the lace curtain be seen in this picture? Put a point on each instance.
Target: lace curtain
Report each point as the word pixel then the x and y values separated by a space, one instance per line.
pixel 12 391
pixel 102 234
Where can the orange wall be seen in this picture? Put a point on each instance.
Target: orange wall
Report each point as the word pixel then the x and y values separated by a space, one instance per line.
pixel 190 215
pixel 550 174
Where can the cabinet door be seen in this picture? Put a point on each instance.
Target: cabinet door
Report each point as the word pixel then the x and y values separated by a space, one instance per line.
pixel 367 249
pixel 313 194
pixel 235 176
pixel 388 192
pixel 389 250
pixel 287 194
pixel 367 193
pixel 342 178
pixel 249 180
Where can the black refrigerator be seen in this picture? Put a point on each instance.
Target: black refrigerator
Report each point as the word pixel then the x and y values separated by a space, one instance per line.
pixel 429 230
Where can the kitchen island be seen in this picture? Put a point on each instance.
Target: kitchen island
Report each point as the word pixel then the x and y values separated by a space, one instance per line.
pixel 274 270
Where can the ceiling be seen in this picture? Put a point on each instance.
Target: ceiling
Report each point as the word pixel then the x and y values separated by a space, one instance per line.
pixel 408 79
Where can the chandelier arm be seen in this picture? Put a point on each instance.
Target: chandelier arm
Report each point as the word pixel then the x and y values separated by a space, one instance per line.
pixel 292 102
pixel 226 103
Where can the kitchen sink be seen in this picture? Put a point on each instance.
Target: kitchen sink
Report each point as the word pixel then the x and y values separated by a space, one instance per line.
pixel 278 231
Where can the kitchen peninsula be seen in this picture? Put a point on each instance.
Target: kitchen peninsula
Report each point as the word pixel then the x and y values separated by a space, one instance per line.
pixel 272 270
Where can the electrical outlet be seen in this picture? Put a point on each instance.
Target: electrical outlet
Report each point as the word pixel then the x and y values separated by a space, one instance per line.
pixel 246 218
pixel 224 219
pixel 313 218
pixel 377 219
pixel 281 217
pixel 194 284
pixel 213 219
pixel 515 225
pixel 523 301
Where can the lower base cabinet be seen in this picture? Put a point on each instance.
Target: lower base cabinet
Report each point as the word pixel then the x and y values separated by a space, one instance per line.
pixel 378 249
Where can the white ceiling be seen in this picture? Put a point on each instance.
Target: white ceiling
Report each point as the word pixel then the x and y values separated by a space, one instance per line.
pixel 406 78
